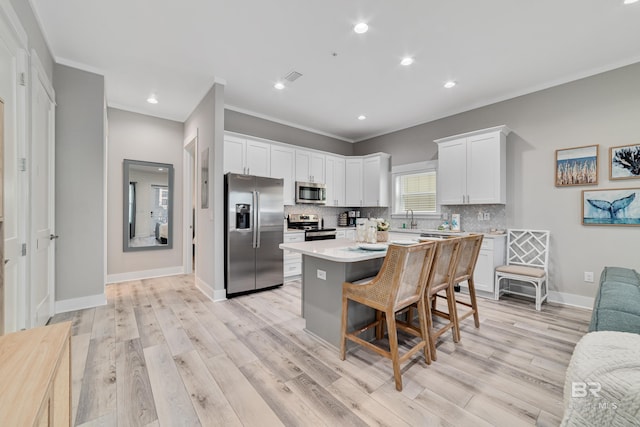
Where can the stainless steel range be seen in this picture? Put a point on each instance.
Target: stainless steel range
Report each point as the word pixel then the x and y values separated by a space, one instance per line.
pixel 312 226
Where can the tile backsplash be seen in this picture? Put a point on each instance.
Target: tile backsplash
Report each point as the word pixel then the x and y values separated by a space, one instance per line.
pixel 330 214
pixel 469 216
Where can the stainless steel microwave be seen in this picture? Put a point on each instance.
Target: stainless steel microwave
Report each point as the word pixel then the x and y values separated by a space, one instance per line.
pixel 311 192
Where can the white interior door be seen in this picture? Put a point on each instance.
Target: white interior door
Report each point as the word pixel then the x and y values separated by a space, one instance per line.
pixel 42 199
pixel 13 93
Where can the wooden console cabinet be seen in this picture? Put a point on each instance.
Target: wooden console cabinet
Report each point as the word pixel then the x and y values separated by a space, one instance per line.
pixel 35 377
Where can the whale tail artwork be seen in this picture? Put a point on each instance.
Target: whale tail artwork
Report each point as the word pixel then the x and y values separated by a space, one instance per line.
pixel 613 207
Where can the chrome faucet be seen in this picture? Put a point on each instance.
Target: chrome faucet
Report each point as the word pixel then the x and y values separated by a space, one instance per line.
pixel 413 223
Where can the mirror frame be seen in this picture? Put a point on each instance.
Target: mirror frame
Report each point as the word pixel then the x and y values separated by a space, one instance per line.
pixel 125 206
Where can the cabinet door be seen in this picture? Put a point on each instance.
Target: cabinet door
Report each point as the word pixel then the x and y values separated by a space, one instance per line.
pixel 485 163
pixel 376 181
pixel 353 182
pixel 257 158
pixel 452 167
pixel 303 165
pixel 316 168
pixel 371 181
pixel 234 154
pixel 283 166
pixel 334 179
pixel 483 274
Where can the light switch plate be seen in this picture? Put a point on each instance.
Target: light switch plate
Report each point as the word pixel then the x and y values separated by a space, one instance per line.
pixel 588 276
pixel 487 216
pixel 322 275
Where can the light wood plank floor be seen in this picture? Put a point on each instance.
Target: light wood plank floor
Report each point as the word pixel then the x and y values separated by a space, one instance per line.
pixel 162 354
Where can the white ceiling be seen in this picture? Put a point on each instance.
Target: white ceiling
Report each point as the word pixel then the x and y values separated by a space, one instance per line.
pixel 494 49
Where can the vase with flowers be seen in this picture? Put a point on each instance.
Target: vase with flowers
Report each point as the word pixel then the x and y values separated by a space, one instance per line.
pixel 382 234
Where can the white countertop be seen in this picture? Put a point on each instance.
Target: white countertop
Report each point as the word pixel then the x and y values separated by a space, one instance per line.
pixel 338 250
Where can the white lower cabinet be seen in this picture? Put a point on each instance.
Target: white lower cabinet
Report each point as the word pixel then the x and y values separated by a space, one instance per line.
pixel 492 255
pixel 292 261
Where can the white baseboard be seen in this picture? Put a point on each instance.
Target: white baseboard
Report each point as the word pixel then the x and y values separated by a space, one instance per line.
pixel 144 274
pixel 571 299
pixel 214 295
pixel 81 303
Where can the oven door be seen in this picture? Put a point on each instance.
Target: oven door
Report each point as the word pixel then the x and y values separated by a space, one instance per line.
pixel 311 193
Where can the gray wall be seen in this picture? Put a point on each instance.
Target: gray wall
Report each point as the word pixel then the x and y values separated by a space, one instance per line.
pixel 138 137
pixel 602 109
pixel 36 39
pixel 80 161
pixel 207 123
pixel 255 126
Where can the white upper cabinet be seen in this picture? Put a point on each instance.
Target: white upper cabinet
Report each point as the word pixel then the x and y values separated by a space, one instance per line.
pixel 472 167
pixel 283 166
pixel 234 154
pixel 310 166
pixel 335 180
pixel 246 156
pixel 376 169
pixel 353 182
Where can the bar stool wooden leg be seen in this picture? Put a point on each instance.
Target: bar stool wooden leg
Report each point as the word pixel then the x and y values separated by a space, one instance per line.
pixel 422 316
pixel 453 310
pixel 393 346
pixel 474 302
pixel 343 329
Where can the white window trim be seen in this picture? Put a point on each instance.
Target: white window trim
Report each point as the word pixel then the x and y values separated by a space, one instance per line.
pixel 426 166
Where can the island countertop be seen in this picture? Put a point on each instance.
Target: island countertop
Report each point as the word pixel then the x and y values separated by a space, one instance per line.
pixel 337 250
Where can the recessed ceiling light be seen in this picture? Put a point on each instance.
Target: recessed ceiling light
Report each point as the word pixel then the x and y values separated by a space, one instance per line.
pixel 406 61
pixel 361 28
pixel 362 117
pixel 629 1
pixel 279 85
pixel 450 84
pixel 160 169
pixel 152 99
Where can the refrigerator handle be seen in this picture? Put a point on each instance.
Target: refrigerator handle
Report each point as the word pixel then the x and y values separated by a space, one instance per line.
pixel 254 219
pixel 257 213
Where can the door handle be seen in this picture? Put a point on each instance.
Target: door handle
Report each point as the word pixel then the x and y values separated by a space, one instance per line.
pixel 6 261
pixel 52 236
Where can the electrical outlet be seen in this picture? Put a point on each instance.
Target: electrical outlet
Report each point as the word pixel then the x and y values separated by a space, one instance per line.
pixel 487 216
pixel 588 276
pixel 322 275
pixel 480 216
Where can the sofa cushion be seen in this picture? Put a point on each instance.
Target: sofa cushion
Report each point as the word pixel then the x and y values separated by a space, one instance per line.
pixel 617 303
pixel 522 270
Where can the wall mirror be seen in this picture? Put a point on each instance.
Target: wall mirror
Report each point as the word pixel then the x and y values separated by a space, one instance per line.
pixel 147 206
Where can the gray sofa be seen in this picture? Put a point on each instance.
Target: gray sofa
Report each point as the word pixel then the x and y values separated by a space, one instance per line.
pixel 602 385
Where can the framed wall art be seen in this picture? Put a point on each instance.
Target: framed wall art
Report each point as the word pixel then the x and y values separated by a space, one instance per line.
pixel 624 162
pixel 577 166
pixel 616 206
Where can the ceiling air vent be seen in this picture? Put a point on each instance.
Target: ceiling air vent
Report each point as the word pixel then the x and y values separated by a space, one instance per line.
pixel 292 76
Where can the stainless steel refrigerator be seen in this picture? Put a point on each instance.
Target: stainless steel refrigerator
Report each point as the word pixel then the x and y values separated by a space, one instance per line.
pixel 254 222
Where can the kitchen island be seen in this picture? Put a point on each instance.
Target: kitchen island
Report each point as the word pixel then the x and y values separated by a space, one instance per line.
pixel 326 264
